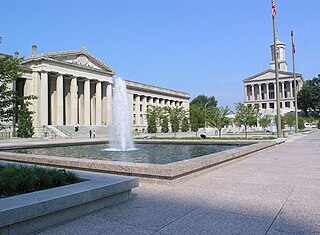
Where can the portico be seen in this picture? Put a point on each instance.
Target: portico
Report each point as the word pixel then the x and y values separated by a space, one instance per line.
pixel 72 87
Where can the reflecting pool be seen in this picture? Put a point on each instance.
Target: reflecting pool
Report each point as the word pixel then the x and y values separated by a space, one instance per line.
pixel 144 153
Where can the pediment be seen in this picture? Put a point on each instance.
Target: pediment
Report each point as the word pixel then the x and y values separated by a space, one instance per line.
pixel 269 75
pixel 79 58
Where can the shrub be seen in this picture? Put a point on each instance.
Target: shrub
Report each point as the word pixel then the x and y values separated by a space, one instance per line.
pixel 16 180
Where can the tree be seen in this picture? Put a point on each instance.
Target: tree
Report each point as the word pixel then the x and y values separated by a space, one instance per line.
pixel 185 124
pixel 196 118
pixel 309 96
pixel 165 124
pixel 265 121
pixel 202 100
pixel 289 119
pixel 25 126
pixel 246 115
pixel 154 115
pixel 9 73
pixel 176 115
pixel 217 117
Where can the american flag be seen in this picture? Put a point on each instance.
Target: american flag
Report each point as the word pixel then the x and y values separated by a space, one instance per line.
pixel 274 10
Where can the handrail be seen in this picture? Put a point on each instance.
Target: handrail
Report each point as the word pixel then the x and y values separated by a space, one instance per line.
pixel 67 133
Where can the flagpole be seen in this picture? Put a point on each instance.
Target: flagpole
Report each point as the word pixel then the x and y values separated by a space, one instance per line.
pixel 294 84
pixel 276 70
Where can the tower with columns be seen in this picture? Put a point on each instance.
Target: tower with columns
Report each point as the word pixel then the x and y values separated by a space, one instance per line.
pixel 260 89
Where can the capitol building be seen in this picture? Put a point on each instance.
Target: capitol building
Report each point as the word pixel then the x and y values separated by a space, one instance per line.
pixel 76 87
pixel 260 89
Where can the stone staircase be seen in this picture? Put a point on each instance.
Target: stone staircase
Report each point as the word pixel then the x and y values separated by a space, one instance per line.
pixel 83 133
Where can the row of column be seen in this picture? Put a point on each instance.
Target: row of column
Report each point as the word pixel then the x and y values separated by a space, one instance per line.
pixel 251 94
pixel 66 100
pixel 140 103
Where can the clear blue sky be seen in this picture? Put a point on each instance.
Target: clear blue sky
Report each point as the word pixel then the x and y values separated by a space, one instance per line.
pixel 196 46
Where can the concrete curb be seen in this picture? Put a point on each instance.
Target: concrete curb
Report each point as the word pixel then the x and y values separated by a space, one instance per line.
pixel 32 212
pixel 169 171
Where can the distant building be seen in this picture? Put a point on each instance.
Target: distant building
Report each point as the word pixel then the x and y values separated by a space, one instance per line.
pixel 76 87
pixel 260 89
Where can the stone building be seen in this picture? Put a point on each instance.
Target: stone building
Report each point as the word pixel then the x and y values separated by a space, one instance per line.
pixel 76 87
pixel 260 89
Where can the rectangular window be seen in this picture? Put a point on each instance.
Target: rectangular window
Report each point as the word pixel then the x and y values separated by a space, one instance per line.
pixel 141 119
pixel 264 105
pixel 271 105
pixel 140 107
pixel 287 104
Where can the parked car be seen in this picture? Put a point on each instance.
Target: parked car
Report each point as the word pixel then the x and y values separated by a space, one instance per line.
pixel 310 125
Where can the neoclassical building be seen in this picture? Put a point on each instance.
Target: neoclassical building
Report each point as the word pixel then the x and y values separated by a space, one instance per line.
pixel 76 87
pixel 260 89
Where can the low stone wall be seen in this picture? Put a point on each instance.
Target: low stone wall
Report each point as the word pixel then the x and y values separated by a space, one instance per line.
pixel 32 212
pixel 167 171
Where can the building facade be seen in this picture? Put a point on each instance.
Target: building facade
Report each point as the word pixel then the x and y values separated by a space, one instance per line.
pixel 75 87
pixel 260 89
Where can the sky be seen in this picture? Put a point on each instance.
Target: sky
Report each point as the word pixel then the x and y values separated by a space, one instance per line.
pixel 202 47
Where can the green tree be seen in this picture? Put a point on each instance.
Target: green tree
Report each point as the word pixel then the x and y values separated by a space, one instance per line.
pixel 25 126
pixel 197 116
pixel 185 126
pixel 289 119
pixel 246 115
pixel 301 122
pixel 9 73
pixel 154 115
pixel 176 115
pixel 265 121
pixel 164 124
pixel 202 100
pixel 309 96
pixel 217 117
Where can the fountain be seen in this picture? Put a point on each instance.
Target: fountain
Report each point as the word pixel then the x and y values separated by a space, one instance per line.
pixel 121 127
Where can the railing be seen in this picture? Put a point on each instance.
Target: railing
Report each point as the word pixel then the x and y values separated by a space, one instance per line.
pixel 46 132
pixel 67 133
pixel 5 135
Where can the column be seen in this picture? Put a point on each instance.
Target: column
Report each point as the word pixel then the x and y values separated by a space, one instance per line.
pixel 282 87
pixel 35 102
pixel 260 95
pixel 109 104
pixel 252 91
pixel 80 102
pixel 267 88
pixel 98 103
pixel 74 101
pixel 291 93
pixel 44 98
pixel 59 107
pixel 92 103
pixel 144 110
pixel 137 110
pixel 86 102
pixel 245 93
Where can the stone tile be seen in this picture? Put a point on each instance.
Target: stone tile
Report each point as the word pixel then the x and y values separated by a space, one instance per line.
pixel 206 221
pixel 91 225
pixel 152 215
pixel 291 222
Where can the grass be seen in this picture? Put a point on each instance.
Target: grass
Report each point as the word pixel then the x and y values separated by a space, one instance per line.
pixel 214 138
pixel 15 180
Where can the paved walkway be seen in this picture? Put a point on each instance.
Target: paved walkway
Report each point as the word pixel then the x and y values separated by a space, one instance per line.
pixel 275 191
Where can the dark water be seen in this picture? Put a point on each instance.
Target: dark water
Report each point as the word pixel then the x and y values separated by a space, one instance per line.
pixel 145 153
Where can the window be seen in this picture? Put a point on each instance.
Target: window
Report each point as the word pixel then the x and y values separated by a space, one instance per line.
pixel 271 105
pixel 134 107
pixel 140 107
pixel 287 104
pixel 264 105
